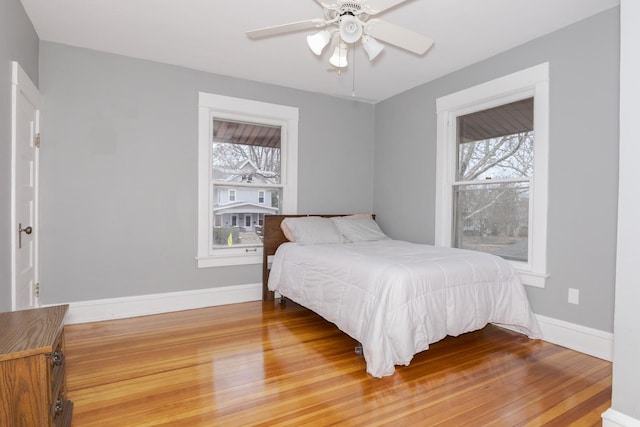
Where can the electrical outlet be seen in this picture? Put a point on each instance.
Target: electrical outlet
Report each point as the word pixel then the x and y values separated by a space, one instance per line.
pixel 574 296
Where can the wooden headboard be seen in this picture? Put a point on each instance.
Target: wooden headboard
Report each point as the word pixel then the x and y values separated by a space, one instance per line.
pixel 273 237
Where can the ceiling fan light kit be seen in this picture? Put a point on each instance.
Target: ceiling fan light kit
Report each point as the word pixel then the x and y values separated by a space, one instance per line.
pixel 318 41
pixel 339 57
pixel 350 20
pixel 350 29
pixel 371 46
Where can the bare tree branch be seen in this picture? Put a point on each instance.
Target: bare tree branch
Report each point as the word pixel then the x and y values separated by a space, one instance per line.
pixel 485 207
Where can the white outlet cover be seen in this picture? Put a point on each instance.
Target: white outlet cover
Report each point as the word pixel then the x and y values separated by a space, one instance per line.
pixel 574 296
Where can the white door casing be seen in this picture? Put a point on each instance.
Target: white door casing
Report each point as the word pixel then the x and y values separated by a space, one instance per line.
pixel 25 137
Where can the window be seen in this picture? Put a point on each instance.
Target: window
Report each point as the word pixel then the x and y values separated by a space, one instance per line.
pixel 492 170
pixel 248 153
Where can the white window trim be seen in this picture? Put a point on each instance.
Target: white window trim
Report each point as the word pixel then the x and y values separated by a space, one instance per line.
pixel 225 107
pixel 534 82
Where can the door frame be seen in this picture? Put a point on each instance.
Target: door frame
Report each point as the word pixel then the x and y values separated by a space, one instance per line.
pixel 22 84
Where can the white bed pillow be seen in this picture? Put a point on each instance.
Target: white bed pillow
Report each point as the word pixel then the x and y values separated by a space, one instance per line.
pixel 359 229
pixel 287 232
pixel 313 230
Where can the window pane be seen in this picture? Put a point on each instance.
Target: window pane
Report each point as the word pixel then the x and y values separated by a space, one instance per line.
pixel 492 218
pixel 496 143
pixel 247 154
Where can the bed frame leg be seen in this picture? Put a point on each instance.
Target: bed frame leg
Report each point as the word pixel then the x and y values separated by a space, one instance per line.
pixel 283 300
pixel 358 350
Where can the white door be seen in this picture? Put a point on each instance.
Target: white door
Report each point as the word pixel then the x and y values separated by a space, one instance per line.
pixel 25 142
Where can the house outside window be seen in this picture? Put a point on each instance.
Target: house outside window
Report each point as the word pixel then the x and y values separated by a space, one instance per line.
pixel 492 170
pixel 247 152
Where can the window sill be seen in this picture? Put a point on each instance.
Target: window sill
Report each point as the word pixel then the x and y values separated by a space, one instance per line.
pixel 529 278
pixel 227 261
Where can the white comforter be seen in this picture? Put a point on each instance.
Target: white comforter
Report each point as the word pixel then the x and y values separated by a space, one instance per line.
pixel 397 297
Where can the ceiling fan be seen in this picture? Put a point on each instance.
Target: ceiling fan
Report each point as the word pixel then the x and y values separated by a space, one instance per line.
pixel 347 22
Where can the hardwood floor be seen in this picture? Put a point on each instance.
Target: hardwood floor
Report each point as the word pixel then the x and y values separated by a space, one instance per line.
pixel 262 364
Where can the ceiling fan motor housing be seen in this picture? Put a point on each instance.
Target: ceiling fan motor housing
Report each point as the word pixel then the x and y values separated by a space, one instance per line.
pixel 351 6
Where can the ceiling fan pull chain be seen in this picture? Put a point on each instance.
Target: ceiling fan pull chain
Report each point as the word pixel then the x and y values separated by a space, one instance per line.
pixel 353 73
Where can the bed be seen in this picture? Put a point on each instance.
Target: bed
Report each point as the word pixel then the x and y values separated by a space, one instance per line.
pixel 394 297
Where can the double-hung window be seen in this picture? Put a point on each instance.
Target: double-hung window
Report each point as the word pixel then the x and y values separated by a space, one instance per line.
pixel 247 168
pixel 492 170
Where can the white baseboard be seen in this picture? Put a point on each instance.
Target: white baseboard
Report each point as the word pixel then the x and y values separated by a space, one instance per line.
pixel 119 308
pixel 580 338
pixel 613 418
pixel 576 337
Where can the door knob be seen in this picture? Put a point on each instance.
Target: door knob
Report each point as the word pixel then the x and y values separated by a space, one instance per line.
pixel 26 230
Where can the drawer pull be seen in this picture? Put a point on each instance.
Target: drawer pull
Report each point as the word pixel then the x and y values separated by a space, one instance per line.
pixel 58 357
pixel 59 407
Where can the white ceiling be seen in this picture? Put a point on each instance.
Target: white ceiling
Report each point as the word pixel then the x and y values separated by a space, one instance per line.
pixel 209 35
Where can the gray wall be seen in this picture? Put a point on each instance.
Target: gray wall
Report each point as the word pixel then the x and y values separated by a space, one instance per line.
pixel 18 42
pixel 119 171
pixel 583 165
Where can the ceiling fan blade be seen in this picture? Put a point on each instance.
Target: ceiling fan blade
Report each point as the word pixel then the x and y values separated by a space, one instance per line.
pixel 376 6
pixel 398 36
pixel 286 28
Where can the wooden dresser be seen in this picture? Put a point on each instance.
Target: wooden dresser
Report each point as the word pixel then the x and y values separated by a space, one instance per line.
pixel 32 368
